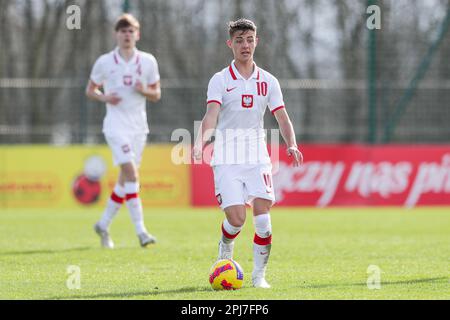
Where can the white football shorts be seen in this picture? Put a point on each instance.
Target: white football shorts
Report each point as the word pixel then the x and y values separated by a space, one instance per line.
pixel 127 148
pixel 240 184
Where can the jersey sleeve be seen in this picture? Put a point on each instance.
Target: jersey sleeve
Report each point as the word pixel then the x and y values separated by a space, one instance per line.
pixel 215 89
pixel 98 73
pixel 276 101
pixel 153 74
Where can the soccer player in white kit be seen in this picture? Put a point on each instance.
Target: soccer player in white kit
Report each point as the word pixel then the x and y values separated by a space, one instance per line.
pixel 237 100
pixel 129 77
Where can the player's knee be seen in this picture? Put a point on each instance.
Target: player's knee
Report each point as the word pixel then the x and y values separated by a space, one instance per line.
pixel 261 206
pixel 236 215
pixel 236 220
pixel 131 177
pixel 135 177
pixel 129 173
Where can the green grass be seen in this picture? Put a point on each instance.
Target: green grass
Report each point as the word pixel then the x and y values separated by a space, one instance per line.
pixel 316 254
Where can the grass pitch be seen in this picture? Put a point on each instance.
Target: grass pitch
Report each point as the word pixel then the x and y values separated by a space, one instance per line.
pixel 316 254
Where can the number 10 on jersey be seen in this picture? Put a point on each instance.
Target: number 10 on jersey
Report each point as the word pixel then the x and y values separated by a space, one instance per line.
pixel 261 88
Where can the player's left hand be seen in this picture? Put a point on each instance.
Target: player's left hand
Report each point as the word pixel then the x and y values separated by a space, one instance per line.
pixel 298 156
pixel 139 87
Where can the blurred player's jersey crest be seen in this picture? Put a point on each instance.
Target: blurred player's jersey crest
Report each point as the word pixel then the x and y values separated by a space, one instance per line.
pixel 128 80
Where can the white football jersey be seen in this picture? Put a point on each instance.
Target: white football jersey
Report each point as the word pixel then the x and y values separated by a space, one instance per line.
pixel 240 135
pixel 118 76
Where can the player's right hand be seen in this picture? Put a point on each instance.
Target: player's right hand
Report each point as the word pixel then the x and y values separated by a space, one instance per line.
pixel 197 153
pixel 112 99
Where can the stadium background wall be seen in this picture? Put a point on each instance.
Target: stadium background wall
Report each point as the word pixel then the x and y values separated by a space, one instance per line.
pixel 44 176
pixel 333 175
pixel 352 175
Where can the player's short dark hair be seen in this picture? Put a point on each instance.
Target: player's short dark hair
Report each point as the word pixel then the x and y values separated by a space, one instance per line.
pixel 126 20
pixel 242 25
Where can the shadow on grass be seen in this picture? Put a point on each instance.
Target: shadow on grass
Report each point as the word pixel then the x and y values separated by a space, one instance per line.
pixel 47 251
pixel 125 295
pixel 383 283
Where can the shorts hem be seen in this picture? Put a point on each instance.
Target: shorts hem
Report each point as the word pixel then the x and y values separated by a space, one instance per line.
pixel 252 198
pixel 121 162
pixel 223 207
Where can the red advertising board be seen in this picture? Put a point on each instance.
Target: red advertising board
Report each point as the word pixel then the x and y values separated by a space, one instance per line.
pixel 351 175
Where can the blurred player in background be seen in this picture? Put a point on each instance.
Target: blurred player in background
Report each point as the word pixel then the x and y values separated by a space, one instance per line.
pixel 128 77
pixel 237 100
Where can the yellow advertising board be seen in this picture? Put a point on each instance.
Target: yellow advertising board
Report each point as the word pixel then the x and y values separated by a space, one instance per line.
pixel 64 177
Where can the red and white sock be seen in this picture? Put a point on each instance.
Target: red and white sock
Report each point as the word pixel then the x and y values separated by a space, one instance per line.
pixel 134 206
pixel 262 243
pixel 229 232
pixel 112 206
